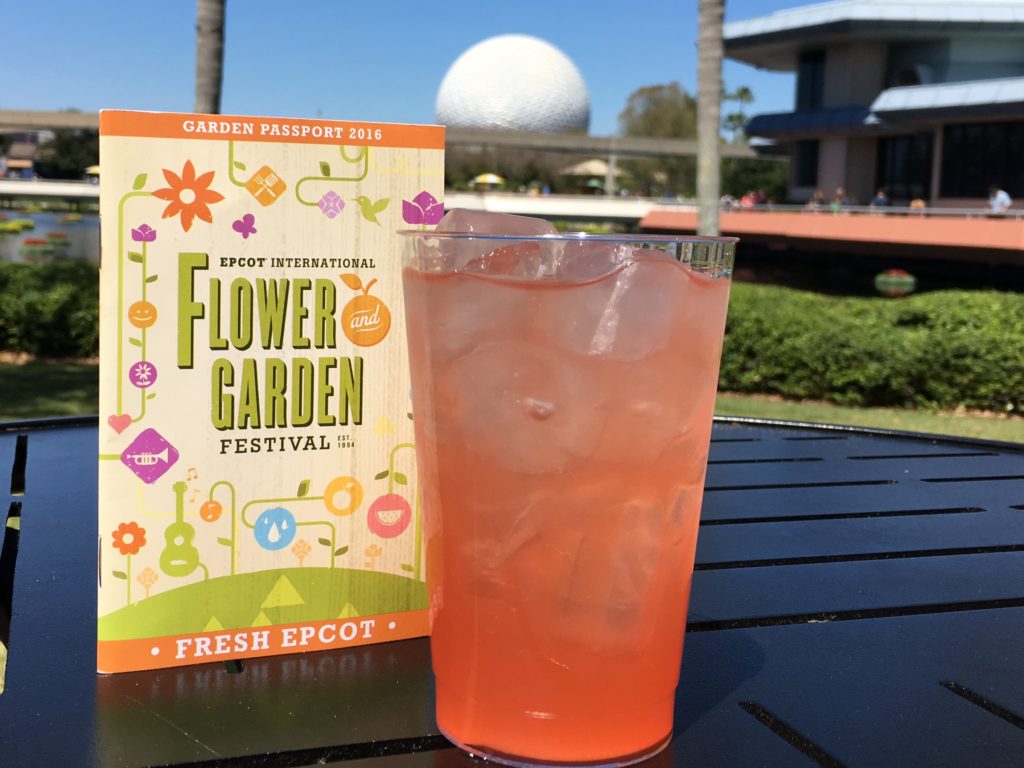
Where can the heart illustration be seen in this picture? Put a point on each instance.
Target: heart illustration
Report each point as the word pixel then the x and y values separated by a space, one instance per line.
pixel 120 422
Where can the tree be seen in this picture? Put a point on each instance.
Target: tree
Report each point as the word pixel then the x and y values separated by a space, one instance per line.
pixel 209 54
pixel 665 112
pixel 709 107
pixel 518 167
pixel 736 122
pixel 67 154
pixel 769 175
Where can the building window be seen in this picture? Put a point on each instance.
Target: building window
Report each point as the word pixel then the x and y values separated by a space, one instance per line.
pixel 905 166
pixel 810 81
pixel 807 163
pixel 976 156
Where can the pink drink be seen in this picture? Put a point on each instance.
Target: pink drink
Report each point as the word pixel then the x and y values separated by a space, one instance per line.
pixel 563 413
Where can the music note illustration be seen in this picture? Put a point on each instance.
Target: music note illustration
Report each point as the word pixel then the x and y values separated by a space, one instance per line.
pixel 193 473
pixel 195 493
pixel 180 557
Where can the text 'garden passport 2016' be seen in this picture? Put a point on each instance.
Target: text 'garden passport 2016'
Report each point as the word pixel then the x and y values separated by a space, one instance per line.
pixel 258 492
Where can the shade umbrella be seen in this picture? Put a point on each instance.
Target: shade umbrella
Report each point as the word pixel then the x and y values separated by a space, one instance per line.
pixel 594 167
pixel 487 180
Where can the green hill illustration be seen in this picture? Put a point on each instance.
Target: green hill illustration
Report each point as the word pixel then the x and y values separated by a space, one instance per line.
pixel 284 596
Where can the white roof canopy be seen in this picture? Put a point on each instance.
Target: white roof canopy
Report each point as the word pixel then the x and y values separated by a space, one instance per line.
pixel 773 41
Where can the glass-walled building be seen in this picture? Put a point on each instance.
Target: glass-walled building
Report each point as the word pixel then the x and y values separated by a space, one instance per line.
pixel 924 98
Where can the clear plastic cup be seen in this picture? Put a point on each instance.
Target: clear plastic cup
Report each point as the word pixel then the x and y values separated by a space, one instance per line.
pixel 563 390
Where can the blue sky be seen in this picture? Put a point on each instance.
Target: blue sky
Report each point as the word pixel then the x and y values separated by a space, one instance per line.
pixel 378 60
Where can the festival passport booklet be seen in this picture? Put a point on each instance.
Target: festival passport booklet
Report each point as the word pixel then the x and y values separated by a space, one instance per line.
pixel 257 483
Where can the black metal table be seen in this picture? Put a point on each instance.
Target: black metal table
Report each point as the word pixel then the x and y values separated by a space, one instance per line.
pixel 858 601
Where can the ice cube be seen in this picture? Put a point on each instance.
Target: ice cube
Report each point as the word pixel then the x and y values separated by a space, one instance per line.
pixel 657 417
pixel 596 576
pixel 523 259
pixel 511 258
pixel 483 222
pixel 462 311
pixel 583 260
pixel 625 316
pixel 486 552
pixel 525 407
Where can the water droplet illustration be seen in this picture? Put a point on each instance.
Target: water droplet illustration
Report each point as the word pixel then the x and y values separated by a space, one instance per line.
pixel 274 528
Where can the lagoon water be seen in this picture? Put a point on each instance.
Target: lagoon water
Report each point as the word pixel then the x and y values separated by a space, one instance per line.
pixel 83 236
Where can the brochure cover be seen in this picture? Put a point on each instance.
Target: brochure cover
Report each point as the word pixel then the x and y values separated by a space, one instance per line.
pixel 257 484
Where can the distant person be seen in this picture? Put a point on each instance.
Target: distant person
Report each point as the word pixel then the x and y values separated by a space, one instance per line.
pixel 749 200
pixel 840 200
pixel 817 201
pixel 880 200
pixel 998 200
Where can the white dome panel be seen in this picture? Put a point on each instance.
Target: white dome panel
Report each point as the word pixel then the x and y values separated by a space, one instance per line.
pixel 514 82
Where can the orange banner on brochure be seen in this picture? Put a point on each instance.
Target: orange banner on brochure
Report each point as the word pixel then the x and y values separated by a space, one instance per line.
pixel 227 644
pixel 181 125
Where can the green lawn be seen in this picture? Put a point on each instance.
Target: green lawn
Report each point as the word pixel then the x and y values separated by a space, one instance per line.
pixel 40 389
pixel 988 427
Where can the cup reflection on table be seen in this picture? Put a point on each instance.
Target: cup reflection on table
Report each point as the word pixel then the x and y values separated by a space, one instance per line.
pixel 563 389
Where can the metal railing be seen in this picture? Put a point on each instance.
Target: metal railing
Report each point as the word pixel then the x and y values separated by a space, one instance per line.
pixel 892 210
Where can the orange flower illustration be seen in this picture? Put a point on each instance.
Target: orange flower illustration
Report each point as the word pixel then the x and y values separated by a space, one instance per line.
pixel 129 538
pixel 188 195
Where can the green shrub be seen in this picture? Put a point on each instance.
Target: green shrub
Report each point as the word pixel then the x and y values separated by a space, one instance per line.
pixel 50 310
pixel 943 349
pixel 936 350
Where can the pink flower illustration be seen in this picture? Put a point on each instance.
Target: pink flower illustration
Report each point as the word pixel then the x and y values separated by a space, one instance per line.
pixel 143 234
pixel 331 204
pixel 422 209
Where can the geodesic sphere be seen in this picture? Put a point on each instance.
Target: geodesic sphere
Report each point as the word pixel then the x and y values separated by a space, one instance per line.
pixel 514 82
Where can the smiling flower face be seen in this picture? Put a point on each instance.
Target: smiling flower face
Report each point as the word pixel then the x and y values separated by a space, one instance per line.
pixel 188 195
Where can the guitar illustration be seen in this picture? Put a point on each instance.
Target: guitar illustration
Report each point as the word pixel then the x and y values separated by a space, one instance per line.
pixel 180 557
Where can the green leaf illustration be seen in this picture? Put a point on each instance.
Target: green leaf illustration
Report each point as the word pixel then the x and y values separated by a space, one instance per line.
pixel 340 551
pixel 407 567
pixel 325 168
pixel 140 182
pixel 239 166
pixel 152 278
pixel 303 489
pixel 401 479
pixel 352 281
pixel 409 415
pixel 150 395
pixel 382 475
pixel 222 540
pixel 136 342
pixel 325 542
pixel 121 575
pixel 135 256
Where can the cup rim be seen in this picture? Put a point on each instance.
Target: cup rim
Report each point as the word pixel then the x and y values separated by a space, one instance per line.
pixel 568 236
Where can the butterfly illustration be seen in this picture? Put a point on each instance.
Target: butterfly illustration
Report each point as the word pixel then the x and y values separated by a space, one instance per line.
pixel 245 226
